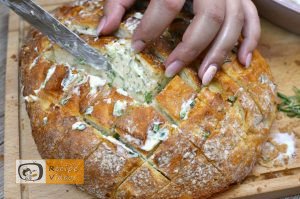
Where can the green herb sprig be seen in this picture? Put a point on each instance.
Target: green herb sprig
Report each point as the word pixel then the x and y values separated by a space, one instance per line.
pixel 148 97
pixel 290 104
pixel 232 99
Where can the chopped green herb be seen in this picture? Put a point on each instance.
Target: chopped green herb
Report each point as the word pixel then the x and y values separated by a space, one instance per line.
pixel 116 136
pixel 156 127
pixel 206 134
pixel 64 101
pixel 185 108
pixel 162 134
pixel 182 114
pixel 193 103
pixel 111 75
pixel 232 99
pixel 82 61
pixel 159 87
pixel 290 104
pixel 148 97
pixel 133 154
pixel 55 27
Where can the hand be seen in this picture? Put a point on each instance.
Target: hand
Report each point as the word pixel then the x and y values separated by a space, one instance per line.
pixel 216 23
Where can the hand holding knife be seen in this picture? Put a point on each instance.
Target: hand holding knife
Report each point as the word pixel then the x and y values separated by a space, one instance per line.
pixel 57 32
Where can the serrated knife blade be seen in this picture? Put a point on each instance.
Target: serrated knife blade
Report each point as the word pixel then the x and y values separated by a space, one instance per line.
pixel 57 32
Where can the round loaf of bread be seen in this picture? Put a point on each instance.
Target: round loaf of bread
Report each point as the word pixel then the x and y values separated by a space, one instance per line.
pixel 141 134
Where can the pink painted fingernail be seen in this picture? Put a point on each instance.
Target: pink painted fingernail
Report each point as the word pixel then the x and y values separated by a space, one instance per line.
pixel 209 74
pixel 101 25
pixel 173 68
pixel 248 60
pixel 138 45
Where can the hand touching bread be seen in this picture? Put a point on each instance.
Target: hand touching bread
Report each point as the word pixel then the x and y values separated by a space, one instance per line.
pixel 217 24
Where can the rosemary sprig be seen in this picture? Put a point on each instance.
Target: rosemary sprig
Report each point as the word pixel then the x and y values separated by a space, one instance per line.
pixel 290 104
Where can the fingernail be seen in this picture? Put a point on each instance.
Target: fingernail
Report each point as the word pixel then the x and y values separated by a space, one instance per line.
pixel 248 60
pixel 173 68
pixel 138 45
pixel 209 74
pixel 101 25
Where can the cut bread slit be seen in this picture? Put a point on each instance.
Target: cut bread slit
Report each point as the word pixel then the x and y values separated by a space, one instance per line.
pixel 163 112
pixel 103 130
pixel 138 186
pixel 258 82
pixel 115 136
pixel 80 29
pixel 191 78
pixel 177 99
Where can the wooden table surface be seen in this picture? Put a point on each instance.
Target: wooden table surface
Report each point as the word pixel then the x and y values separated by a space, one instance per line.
pixel 3 42
pixel 3 45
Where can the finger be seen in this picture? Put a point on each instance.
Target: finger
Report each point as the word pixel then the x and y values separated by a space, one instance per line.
pixel 114 10
pixel 225 41
pixel 209 16
pixel 251 33
pixel 157 17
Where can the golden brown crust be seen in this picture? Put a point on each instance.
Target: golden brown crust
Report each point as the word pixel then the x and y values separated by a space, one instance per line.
pixel 134 125
pixel 173 153
pixel 198 179
pixel 131 149
pixel 84 13
pixel 143 183
pixel 174 96
pixel 258 81
pixel 203 120
pixel 106 168
pixel 103 109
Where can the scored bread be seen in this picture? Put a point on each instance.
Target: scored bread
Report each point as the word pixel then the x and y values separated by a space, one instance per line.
pixel 143 135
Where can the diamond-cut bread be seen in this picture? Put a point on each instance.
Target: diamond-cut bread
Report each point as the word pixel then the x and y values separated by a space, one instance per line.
pixel 143 135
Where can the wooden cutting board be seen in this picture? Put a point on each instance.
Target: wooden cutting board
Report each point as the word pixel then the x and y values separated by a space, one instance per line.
pixel 280 48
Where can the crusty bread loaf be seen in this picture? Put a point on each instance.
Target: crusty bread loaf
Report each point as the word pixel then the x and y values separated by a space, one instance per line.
pixel 141 134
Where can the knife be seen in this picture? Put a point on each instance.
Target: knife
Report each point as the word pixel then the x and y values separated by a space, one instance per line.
pixel 58 33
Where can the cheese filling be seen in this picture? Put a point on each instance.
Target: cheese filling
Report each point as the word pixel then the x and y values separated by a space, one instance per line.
pixel 130 70
pixel 34 62
pixel 83 29
pixel 186 107
pixel 79 126
pixel 121 146
pixel 31 98
pixel 89 110
pixel 119 108
pixel 95 83
pixel 48 76
pixel 154 136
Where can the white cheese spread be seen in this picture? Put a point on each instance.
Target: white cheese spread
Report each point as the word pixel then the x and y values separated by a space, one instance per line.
pixel 79 126
pixel 119 108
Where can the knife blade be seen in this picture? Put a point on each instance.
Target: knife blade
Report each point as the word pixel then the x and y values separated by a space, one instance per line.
pixel 57 32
